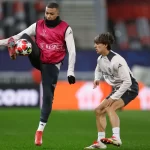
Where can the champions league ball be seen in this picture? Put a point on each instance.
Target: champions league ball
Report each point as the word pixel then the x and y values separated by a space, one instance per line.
pixel 23 47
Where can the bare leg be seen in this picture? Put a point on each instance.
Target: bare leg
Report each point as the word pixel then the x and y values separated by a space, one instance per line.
pixel 100 113
pixel 101 122
pixel 113 117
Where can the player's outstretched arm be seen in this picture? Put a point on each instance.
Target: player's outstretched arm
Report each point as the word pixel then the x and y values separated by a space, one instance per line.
pixel 72 55
pixel 30 31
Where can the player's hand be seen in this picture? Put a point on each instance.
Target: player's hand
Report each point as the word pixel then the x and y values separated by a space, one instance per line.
pixel 71 79
pixel 95 83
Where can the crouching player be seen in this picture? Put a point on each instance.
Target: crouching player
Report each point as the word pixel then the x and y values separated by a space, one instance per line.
pixel 116 72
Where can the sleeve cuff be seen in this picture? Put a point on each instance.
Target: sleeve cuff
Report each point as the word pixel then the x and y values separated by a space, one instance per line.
pixel 70 73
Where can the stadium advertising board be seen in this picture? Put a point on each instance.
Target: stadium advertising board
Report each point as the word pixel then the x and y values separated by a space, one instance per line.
pixel 82 96
pixel 18 95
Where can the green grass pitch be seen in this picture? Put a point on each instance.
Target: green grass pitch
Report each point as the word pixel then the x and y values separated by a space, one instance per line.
pixel 69 130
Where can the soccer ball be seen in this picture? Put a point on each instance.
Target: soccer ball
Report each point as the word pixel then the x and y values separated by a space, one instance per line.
pixel 23 47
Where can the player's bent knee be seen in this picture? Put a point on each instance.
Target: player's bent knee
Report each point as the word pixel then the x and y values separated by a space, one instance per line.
pixel 118 104
pixel 98 111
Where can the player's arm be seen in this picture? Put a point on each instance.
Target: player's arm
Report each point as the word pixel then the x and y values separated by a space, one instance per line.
pixel 72 54
pixel 124 74
pixel 98 74
pixel 30 31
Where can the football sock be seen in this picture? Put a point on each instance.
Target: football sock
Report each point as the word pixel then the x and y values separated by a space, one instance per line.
pixel 116 132
pixel 101 135
pixel 41 126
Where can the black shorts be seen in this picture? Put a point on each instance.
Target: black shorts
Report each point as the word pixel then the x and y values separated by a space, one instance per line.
pixel 127 97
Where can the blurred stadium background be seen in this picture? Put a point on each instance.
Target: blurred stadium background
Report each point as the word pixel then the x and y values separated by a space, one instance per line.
pixel 128 20
pixel 88 18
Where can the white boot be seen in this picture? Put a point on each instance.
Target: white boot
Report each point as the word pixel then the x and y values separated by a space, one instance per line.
pixel 96 145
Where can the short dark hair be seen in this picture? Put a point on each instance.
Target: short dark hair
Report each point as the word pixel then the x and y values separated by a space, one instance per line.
pixel 53 5
pixel 105 38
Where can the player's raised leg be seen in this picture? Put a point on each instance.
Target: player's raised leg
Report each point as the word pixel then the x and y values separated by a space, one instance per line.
pixel 101 123
pixel 34 57
pixel 115 123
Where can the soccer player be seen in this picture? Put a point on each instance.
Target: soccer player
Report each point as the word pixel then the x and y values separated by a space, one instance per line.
pixel 52 37
pixel 116 73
